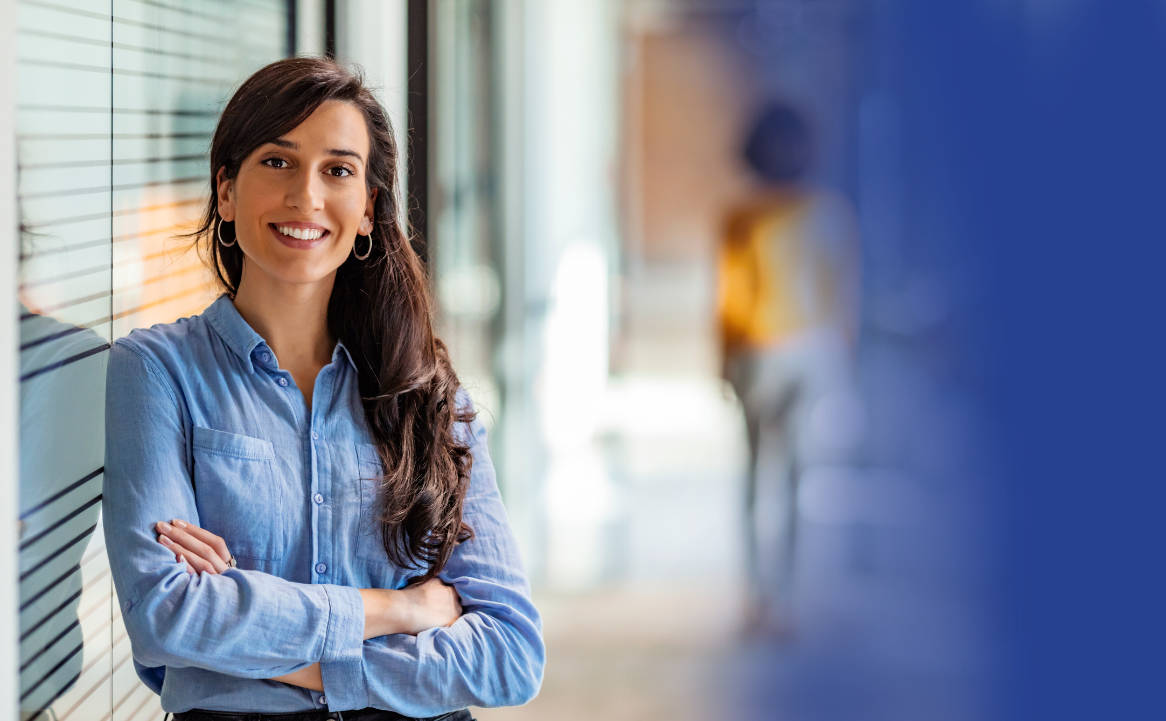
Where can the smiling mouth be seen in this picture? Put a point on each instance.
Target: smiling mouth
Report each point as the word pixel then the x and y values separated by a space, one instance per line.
pixel 300 235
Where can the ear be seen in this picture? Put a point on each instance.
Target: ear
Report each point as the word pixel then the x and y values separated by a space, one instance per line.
pixel 225 190
pixel 366 223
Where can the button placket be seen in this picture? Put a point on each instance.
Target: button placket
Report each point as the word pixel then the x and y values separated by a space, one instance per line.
pixel 320 520
pixel 323 517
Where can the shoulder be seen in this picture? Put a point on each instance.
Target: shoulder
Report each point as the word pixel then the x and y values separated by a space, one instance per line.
pixel 463 402
pixel 164 349
pixel 468 432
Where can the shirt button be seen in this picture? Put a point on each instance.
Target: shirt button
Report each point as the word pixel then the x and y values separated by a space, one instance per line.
pixel 283 381
pixel 323 700
pixel 320 568
pixel 264 356
pixel 315 436
pixel 318 498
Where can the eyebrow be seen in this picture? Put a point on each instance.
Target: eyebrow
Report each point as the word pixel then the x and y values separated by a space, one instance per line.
pixel 331 151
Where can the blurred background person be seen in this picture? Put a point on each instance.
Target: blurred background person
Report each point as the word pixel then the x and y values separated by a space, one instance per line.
pixel 786 314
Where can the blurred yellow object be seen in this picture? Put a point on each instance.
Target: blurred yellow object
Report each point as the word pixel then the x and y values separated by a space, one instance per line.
pixel 780 264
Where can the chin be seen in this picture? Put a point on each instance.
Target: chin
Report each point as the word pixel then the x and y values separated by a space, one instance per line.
pixel 303 270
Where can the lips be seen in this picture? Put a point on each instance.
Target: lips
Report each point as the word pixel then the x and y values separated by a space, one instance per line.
pixel 298 243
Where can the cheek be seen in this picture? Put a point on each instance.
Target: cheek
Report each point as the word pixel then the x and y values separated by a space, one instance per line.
pixel 347 210
pixel 253 199
pixel 354 204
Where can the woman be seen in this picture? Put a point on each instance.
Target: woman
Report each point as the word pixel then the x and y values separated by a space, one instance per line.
pixel 301 513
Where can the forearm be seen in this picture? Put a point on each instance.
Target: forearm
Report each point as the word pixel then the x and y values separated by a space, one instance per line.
pixel 308 678
pixel 380 611
pixel 243 623
pixel 385 612
pixel 492 656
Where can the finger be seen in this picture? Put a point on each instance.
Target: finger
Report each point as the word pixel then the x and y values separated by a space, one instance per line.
pixel 191 559
pixel 185 539
pixel 200 564
pixel 215 542
pixel 193 556
pixel 183 536
pixel 182 560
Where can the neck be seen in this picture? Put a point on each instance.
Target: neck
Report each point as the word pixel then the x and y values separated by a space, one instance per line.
pixel 291 317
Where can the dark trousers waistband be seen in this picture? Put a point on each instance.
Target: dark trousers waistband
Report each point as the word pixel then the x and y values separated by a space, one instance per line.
pixel 368 714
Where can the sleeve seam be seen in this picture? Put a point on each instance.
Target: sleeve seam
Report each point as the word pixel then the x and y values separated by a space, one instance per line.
pixel 151 369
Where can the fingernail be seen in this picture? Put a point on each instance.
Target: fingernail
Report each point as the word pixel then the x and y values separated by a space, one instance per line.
pixel 165 526
pixel 165 540
pixel 180 524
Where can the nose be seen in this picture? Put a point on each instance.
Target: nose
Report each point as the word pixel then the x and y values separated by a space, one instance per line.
pixel 304 192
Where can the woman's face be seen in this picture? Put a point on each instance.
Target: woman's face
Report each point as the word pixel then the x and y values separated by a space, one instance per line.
pixel 298 202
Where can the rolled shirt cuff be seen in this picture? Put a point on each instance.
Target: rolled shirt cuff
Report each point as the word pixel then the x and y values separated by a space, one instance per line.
pixel 342 662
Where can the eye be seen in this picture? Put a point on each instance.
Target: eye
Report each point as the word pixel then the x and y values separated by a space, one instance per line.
pixel 346 169
pixel 265 161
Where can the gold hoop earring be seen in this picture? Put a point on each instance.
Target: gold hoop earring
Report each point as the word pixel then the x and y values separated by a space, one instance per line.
pixel 367 252
pixel 219 232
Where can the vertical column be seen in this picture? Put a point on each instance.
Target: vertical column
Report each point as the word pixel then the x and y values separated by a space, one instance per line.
pixel 372 34
pixel 9 652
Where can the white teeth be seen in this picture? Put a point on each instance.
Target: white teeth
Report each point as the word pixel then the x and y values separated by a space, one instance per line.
pixel 300 233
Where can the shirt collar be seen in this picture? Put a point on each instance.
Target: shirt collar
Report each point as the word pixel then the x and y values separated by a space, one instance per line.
pixel 241 338
pixel 341 348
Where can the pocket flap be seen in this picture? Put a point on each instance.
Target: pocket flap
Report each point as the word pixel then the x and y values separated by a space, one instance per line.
pixel 367 453
pixel 232 444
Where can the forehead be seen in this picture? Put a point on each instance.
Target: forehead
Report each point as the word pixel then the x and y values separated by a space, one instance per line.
pixel 335 124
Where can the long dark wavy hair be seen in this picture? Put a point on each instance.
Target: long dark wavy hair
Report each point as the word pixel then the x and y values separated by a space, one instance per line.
pixel 380 308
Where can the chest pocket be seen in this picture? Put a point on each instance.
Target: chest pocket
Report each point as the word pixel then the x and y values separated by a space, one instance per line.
pixel 236 493
pixel 370 545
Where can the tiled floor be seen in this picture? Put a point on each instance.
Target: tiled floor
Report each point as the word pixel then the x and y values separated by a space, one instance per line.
pixel 653 629
pixel 624 653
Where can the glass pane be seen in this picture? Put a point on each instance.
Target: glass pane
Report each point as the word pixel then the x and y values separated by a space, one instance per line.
pixel 116 104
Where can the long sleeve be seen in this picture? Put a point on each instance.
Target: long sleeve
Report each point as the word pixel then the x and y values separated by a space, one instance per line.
pixel 493 655
pixel 243 623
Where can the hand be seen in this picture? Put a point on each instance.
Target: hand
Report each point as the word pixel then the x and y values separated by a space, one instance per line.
pixel 429 605
pixel 201 550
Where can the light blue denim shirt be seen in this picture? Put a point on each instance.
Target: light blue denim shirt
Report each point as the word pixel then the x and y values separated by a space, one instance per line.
pixel 202 424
